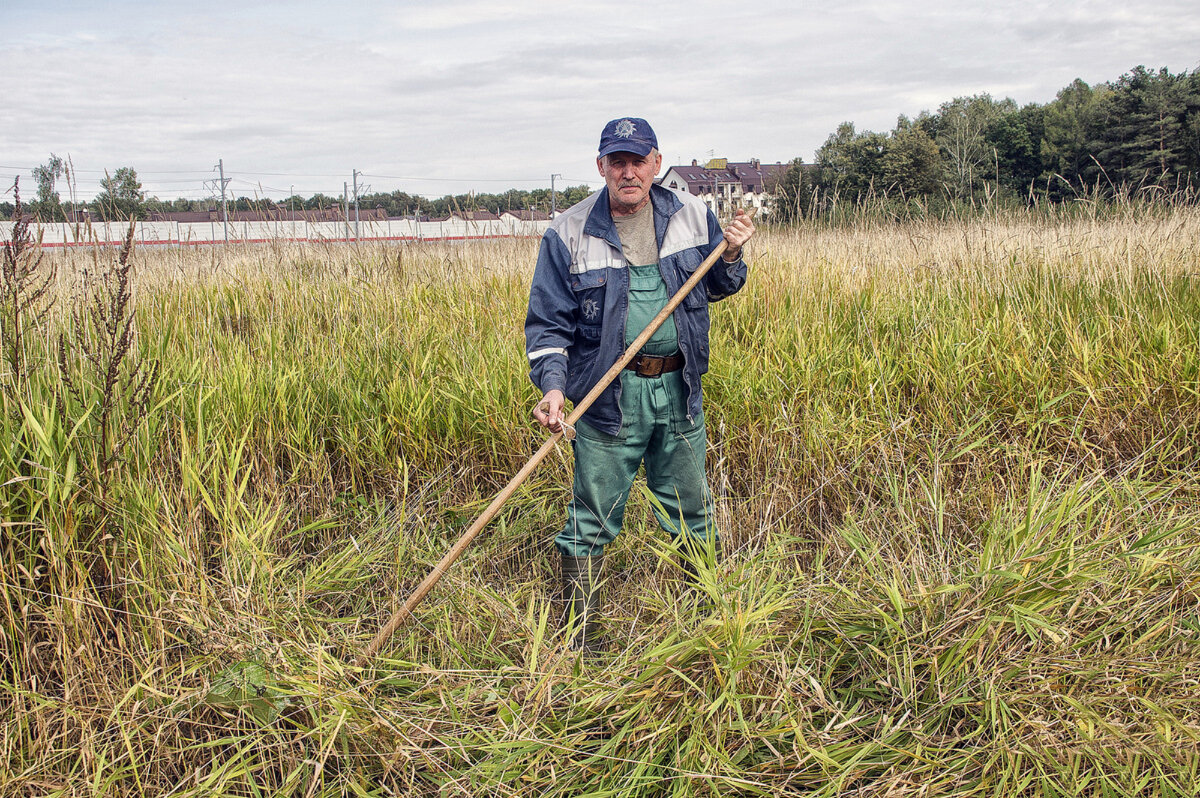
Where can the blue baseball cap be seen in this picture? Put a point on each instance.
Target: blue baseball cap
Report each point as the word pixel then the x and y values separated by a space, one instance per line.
pixel 628 134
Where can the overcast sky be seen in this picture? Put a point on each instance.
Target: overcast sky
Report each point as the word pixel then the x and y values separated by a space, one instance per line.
pixel 445 97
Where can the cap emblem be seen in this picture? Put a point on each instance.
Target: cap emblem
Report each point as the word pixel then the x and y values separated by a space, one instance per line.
pixel 625 128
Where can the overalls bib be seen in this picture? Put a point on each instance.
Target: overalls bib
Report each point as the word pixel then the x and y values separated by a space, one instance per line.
pixel 655 430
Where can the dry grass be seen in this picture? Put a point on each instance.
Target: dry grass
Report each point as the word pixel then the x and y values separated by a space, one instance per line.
pixel 956 465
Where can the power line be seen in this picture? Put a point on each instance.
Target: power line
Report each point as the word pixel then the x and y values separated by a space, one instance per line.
pixel 202 172
pixel 106 171
pixel 206 186
pixel 289 174
pixel 457 179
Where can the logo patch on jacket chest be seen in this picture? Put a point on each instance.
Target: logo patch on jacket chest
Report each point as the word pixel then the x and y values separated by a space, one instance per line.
pixel 591 309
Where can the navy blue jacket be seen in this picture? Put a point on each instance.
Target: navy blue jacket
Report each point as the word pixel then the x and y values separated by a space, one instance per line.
pixel 579 300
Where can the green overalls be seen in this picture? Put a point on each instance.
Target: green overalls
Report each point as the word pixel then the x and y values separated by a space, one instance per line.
pixel 654 429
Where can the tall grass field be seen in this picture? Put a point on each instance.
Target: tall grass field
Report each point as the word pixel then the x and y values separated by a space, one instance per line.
pixel 956 470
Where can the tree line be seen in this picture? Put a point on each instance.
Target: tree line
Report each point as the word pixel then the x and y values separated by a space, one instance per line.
pixel 121 197
pixel 1139 134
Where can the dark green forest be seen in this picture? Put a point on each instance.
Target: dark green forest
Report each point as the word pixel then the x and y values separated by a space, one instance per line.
pixel 1137 136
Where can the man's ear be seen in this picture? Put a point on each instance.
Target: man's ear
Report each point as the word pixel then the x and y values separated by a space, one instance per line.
pixel 600 165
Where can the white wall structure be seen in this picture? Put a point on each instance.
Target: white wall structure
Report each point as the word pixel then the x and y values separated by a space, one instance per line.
pixel 520 220
pixel 240 232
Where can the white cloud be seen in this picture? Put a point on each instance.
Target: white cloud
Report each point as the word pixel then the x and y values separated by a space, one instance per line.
pixel 506 93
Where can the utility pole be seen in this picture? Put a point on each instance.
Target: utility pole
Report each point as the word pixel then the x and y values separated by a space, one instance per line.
pixel 346 207
pixel 356 173
pixel 553 203
pixel 224 206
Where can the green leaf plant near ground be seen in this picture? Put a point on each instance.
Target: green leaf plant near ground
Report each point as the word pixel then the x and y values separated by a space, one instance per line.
pixel 955 465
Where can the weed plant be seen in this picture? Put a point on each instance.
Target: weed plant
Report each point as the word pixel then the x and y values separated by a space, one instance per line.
pixel 955 463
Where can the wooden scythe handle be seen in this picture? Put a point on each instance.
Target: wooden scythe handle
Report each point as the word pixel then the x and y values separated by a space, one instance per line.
pixel 402 614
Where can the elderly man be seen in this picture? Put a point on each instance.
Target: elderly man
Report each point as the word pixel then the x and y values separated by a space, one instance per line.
pixel 607 266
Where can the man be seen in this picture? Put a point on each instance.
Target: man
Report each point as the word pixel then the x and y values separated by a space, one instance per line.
pixel 606 267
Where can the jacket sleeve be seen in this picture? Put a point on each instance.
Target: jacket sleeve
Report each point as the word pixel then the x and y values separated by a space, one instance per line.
pixel 550 321
pixel 723 279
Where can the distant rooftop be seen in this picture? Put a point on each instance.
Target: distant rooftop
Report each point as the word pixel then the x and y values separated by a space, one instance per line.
pixel 753 175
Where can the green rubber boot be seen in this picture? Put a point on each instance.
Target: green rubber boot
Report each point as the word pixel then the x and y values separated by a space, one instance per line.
pixel 581 595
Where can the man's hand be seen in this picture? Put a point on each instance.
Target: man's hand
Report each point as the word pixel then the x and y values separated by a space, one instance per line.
pixel 549 411
pixel 737 233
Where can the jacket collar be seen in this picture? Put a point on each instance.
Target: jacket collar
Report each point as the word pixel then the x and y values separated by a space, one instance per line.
pixel 600 221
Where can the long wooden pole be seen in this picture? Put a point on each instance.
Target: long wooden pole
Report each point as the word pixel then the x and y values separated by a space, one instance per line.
pixel 402 614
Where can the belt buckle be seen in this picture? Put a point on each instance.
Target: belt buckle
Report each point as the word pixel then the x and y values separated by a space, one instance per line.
pixel 650 366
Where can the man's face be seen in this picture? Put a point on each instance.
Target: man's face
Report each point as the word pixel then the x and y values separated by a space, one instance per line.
pixel 629 177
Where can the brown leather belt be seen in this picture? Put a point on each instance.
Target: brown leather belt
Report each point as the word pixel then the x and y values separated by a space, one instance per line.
pixel 653 366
